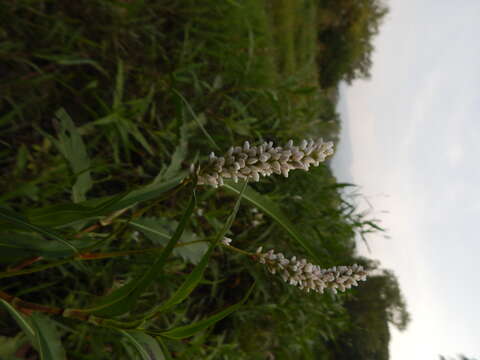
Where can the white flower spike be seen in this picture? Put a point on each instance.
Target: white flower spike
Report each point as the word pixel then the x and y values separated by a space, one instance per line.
pixel 251 162
pixel 310 277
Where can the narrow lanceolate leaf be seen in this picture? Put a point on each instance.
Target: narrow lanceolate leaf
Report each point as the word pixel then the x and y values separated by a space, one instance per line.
pixel 195 117
pixel 48 342
pixel 149 192
pixel 67 214
pixel 242 191
pixel 21 321
pixel 23 223
pixel 177 157
pixel 164 347
pixel 270 208
pixel 72 147
pixel 15 246
pixel 123 299
pixel 190 330
pixel 197 274
pixel 146 346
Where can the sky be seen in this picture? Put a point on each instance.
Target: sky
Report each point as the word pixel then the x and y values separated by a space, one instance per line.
pixel 411 142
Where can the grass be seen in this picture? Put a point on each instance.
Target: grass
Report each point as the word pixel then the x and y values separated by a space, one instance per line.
pixel 101 97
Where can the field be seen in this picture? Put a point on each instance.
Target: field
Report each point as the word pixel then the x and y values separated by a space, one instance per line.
pixel 102 98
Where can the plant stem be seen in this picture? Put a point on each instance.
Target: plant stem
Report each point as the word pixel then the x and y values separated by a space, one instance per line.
pixel 230 247
pixel 85 256
pixel 35 269
pixel 28 308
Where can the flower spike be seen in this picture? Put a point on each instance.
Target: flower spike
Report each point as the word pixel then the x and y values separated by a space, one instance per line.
pixel 252 162
pixel 309 277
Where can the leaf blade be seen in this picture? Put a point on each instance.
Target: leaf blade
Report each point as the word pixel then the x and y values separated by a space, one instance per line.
pixel 67 214
pixel 15 246
pixel 20 221
pixel 21 321
pixel 146 346
pixel 48 339
pixel 191 329
pixel 270 208
pixel 72 147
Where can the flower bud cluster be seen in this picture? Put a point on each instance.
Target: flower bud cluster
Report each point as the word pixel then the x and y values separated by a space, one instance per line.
pixel 310 277
pixel 251 162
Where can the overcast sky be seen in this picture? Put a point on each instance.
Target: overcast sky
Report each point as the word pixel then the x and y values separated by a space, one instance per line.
pixel 411 141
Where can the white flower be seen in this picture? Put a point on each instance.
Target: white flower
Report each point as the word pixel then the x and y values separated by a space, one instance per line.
pixel 226 241
pixel 257 217
pixel 251 162
pixel 310 277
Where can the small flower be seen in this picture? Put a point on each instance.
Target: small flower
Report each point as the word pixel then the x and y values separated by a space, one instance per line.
pixel 257 217
pixel 310 277
pixel 136 236
pixel 226 241
pixel 251 162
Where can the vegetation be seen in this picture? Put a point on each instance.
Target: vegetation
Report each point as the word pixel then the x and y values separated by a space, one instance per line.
pixel 376 305
pixel 345 33
pixel 103 107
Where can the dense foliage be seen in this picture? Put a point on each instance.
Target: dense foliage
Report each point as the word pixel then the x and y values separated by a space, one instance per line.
pixel 345 38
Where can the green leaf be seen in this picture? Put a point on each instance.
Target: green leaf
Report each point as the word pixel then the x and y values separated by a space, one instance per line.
pixel 26 189
pixel 49 345
pixel 22 159
pixel 15 246
pixel 177 157
pixel 123 299
pixel 23 223
pixel 69 60
pixel 149 192
pixel 159 231
pixel 242 190
pixel 10 345
pixel 197 120
pixel 67 214
pixel 21 321
pixel 141 139
pixel 164 347
pixel 192 252
pixel 190 330
pixel 146 346
pixel 72 147
pixel 270 208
